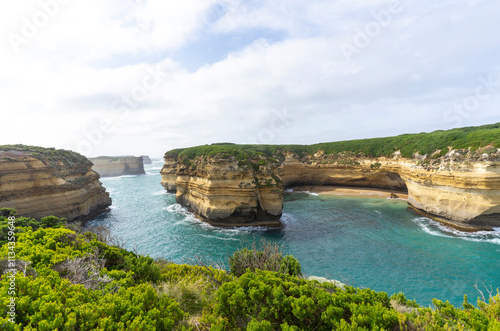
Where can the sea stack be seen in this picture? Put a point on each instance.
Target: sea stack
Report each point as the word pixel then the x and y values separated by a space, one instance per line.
pixel 40 182
pixel 112 166
pixel 222 191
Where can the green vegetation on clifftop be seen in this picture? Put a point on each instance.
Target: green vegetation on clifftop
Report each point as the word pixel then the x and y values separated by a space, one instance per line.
pixel 407 144
pixel 49 156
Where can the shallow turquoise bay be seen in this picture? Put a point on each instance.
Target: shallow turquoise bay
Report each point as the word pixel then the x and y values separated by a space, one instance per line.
pixel 365 242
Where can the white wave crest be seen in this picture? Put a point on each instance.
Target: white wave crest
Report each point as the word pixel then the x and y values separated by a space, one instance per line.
pixel 437 229
pixel 287 218
pixel 307 192
pixel 190 217
pixel 177 209
pixel 292 190
pixel 220 238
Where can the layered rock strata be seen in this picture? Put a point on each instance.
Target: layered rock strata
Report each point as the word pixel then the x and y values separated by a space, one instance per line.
pixel 461 188
pixel 41 182
pixel 108 166
pixel 221 192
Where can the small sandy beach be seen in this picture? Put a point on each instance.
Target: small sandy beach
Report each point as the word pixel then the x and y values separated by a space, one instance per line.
pixel 366 192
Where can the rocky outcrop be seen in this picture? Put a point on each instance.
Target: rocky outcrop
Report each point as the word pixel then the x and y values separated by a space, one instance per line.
pixel 464 195
pixel 221 192
pixel 146 159
pixel 108 166
pixel 460 188
pixel 39 182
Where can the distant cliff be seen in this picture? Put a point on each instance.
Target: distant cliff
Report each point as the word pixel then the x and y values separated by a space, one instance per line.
pixel 108 166
pixel 39 181
pixel 227 184
pixel 146 159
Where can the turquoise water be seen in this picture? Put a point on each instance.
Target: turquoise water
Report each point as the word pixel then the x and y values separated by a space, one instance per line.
pixel 365 242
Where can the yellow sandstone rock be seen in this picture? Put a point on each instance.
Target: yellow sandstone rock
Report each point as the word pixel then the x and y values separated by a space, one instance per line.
pixel 38 188
pixel 109 166
pixel 463 193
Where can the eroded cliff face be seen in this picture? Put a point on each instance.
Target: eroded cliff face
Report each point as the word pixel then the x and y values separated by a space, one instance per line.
pixel 461 188
pixel 60 186
pixel 460 192
pixel 222 192
pixel 108 166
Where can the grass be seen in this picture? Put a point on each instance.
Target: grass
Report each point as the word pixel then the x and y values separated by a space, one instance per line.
pixel 51 156
pixel 407 144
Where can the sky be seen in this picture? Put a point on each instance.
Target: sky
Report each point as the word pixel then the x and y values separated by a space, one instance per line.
pixel 133 77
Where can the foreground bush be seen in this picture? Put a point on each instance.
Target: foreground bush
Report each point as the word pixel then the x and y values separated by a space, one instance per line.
pixel 75 282
pixel 83 284
pixel 272 301
pixel 268 257
pixel 51 303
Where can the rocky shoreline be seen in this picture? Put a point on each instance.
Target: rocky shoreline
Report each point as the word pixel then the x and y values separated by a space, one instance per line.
pixel 458 188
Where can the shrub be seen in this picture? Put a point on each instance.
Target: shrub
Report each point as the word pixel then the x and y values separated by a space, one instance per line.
pixel 191 295
pixel 143 267
pixel 85 270
pixel 6 212
pixel 264 300
pixel 23 222
pixel 256 300
pixel 51 222
pixel 269 257
pixel 290 265
pixel 51 303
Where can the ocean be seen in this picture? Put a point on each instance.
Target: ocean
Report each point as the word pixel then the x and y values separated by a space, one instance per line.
pixel 364 242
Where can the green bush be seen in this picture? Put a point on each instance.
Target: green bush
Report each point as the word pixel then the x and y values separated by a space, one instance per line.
pixel 268 257
pixel 401 299
pixel 143 267
pixel 140 293
pixel 51 303
pixel 55 158
pixel 6 212
pixel 23 222
pixel 291 266
pixel 264 300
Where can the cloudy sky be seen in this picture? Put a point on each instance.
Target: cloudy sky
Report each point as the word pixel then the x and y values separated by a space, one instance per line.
pixel 119 77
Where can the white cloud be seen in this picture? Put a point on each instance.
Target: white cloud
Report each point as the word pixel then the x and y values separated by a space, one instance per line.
pixel 65 81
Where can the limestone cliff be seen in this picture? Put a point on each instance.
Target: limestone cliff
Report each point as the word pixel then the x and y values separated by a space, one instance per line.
pixel 146 159
pixel 223 192
pixel 460 188
pixel 108 166
pixel 39 182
